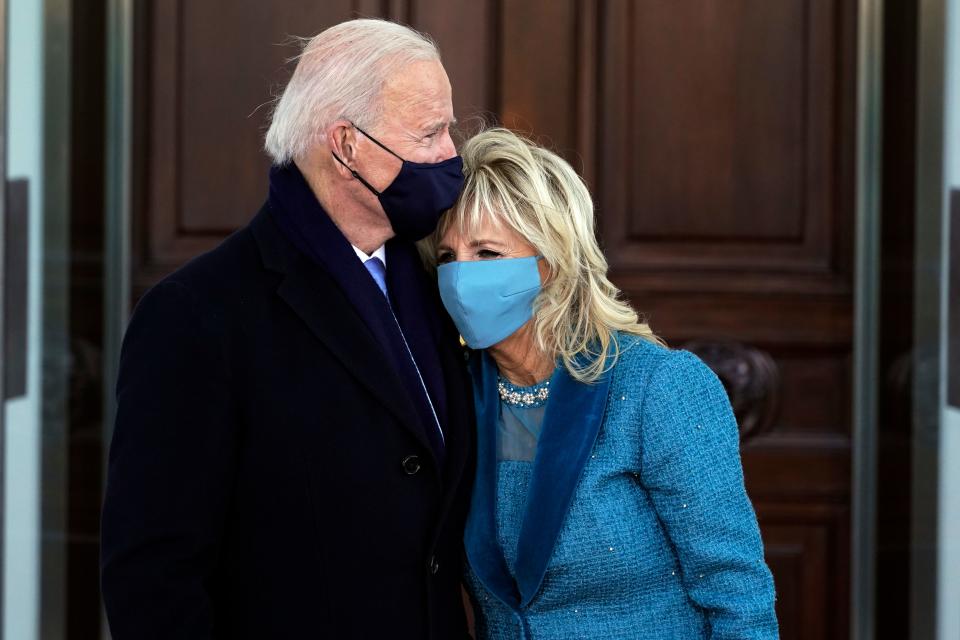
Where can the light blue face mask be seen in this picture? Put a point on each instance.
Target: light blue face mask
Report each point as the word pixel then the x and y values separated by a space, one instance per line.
pixel 489 299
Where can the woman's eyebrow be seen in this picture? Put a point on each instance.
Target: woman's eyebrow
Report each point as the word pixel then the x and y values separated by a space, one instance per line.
pixel 480 241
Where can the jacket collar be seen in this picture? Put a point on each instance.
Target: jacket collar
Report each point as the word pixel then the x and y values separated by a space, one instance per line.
pixel 571 423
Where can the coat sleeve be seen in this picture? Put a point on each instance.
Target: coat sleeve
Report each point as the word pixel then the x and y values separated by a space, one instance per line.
pixel 691 468
pixel 171 466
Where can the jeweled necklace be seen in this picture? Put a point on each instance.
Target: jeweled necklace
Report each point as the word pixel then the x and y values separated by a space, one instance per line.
pixel 516 396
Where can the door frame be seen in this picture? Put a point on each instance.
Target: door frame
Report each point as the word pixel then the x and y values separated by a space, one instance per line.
pixel 118 218
pixel 863 489
pixel 929 318
pixel 3 258
pixel 117 227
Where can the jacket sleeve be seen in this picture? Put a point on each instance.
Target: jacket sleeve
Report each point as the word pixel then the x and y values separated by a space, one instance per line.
pixel 171 465
pixel 691 468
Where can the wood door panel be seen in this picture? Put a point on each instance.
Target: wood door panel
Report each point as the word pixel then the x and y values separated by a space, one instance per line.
pixel 783 318
pixel 209 70
pixel 467 33
pixel 801 549
pixel 219 142
pixel 718 130
pixel 538 95
pixel 816 387
pixel 810 469
pixel 717 120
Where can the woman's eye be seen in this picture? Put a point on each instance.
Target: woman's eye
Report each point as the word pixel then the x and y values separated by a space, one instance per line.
pixel 445 257
pixel 487 254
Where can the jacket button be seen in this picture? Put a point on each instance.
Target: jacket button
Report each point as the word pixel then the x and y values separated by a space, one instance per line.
pixel 434 565
pixel 411 464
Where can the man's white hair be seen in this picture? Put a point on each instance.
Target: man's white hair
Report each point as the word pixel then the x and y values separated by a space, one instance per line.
pixel 341 73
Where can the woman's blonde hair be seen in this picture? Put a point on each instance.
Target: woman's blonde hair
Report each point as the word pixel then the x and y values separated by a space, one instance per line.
pixel 537 194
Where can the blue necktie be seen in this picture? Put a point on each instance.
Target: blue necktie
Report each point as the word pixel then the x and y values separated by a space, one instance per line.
pixel 379 274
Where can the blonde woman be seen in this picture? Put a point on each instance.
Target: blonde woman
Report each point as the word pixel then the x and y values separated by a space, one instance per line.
pixel 609 498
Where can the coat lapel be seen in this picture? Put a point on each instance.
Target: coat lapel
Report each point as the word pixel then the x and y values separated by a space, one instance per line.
pixel 413 296
pixel 460 428
pixel 480 537
pixel 311 293
pixel 572 420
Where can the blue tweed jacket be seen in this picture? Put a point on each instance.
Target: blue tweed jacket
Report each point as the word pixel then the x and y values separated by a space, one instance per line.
pixel 632 521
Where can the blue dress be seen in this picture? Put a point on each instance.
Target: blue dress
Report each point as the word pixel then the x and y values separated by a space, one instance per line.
pixel 615 511
pixel 518 431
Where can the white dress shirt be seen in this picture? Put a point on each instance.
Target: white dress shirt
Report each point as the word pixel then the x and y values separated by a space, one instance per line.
pixel 381 253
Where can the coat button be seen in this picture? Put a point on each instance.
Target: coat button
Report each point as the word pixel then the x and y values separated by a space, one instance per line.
pixel 411 464
pixel 434 565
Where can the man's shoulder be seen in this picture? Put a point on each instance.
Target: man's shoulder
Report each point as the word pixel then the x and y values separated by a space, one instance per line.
pixel 233 262
pixel 212 284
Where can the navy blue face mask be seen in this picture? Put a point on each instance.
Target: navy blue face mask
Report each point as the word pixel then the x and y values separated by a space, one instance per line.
pixel 419 194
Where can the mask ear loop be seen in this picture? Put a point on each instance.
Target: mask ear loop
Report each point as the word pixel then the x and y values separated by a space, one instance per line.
pixel 356 175
pixel 375 141
pixel 353 171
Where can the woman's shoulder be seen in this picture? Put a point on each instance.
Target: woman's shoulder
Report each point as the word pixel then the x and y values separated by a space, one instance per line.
pixel 653 365
pixel 637 354
pixel 673 389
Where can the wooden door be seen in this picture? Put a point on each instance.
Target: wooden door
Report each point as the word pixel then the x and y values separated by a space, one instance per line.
pixel 718 140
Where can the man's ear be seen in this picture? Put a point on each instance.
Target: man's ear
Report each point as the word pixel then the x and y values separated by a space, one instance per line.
pixel 342 139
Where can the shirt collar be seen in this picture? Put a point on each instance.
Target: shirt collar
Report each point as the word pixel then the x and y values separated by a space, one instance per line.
pixel 381 253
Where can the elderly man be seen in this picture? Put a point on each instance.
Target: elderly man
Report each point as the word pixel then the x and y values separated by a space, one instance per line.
pixel 293 446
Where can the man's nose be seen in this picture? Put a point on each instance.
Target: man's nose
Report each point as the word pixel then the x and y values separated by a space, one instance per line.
pixel 446 149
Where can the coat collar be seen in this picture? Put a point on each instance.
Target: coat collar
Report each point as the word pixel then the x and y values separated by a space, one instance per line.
pixel 311 293
pixel 571 423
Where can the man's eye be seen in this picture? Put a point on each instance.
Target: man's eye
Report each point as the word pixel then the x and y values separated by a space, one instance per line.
pixel 434 134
